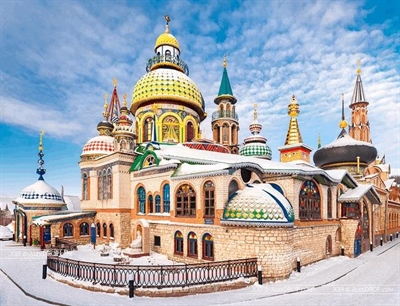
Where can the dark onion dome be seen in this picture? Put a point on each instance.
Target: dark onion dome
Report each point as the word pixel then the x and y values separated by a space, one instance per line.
pixel 345 150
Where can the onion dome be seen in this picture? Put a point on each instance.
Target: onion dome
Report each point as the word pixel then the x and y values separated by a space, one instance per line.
pixel 259 205
pixel 167 84
pixel 40 192
pixel 345 152
pixel 256 145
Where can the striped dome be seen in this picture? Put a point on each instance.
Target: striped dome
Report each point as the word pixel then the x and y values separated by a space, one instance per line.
pixel 99 145
pixel 260 150
pixel 167 84
pixel 258 205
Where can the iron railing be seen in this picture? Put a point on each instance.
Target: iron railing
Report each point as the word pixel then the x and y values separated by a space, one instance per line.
pixel 168 58
pixel 179 275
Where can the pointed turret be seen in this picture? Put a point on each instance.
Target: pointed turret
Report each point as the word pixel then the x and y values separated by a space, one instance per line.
pixel 359 128
pixel 41 171
pixel 294 148
pixel 225 122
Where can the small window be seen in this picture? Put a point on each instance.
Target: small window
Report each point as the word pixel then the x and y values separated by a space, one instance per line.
pixel 104 230
pixel 111 230
pixel 157 241
pixel 68 230
pixel 98 229
pixel 178 243
pixel 208 247
pixel 192 245
pixel 84 229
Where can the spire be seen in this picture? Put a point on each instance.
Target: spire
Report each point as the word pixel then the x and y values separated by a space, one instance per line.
pixel 254 126
pixel 358 93
pixel 225 87
pixel 41 171
pixel 319 140
pixel 114 106
pixel 105 127
pixel 293 136
pixel 343 124
pixel 167 20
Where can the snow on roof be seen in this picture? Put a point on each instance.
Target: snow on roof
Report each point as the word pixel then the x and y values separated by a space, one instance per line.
pixel 383 167
pixel 43 220
pixel 186 170
pixel 389 183
pixel 357 193
pixel 73 202
pixel 182 153
pixel 347 140
pixel 339 175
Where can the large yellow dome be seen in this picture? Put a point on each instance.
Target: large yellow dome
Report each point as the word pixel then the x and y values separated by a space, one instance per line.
pixel 166 39
pixel 167 84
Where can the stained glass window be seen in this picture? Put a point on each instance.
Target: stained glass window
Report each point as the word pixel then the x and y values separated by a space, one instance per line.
pixel 310 201
pixel 166 198
pixel 208 247
pixel 192 244
pixel 186 201
pixel 141 195
pixel 178 243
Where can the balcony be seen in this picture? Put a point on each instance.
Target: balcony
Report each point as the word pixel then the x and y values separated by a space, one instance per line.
pixel 223 115
pixel 159 60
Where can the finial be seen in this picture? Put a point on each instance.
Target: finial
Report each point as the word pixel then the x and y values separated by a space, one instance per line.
pixel 359 66
pixel 41 140
pixel 343 123
pixel 41 170
pixel 115 82
pixel 167 19
pixel 124 96
pixel 105 106
pixel 224 63
pixel 319 140
pixel 255 111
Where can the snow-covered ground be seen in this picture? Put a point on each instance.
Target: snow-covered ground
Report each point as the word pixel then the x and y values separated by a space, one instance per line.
pixel 372 278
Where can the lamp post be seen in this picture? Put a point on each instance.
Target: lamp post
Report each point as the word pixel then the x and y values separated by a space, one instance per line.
pixel 44 271
pixel 259 268
pixel 298 265
pixel 93 234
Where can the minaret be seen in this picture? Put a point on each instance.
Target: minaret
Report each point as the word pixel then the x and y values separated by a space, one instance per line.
pixel 359 128
pixel 124 132
pixel 225 122
pixel 294 148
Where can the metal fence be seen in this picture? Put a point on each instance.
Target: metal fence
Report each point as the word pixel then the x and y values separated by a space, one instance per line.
pixel 179 275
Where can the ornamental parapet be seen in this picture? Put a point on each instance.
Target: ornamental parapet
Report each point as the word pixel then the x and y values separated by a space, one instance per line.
pixel 168 60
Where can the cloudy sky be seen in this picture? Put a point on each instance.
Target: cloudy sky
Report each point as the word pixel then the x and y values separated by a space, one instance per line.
pixel 58 59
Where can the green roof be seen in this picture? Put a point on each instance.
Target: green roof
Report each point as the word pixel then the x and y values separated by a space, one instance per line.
pixel 225 87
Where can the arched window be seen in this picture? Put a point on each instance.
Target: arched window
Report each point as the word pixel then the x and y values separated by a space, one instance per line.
pixel 225 133
pixel 150 201
pixel 186 201
pixel 168 55
pixel 100 187
pixel 98 229
pixel 147 129
pixel 310 201
pixel 233 187
pixel 104 230
pixel 111 230
pixel 85 187
pixel 108 191
pixel 158 203
pixel 365 222
pixel 192 245
pixel 166 198
pixel 178 243
pixel 209 193
pixel 329 204
pixel 208 247
pixel 189 131
pixel 68 230
pixel 328 245
pixel 84 229
pixel 141 195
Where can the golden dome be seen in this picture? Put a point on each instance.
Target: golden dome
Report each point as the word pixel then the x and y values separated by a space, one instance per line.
pixel 166 39
pixel 167 84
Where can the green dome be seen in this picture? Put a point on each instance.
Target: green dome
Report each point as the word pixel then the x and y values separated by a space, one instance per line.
pixel 256 150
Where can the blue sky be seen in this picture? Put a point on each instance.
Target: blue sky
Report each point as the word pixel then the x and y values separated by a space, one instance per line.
pixel 58 58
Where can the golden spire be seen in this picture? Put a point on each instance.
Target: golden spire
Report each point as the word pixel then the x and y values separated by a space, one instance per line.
pixel 224 63
pixel 41 140
pixel 167 19
pixel 359 66
pixel 115 82
pixel 293 135
pixel 105 112
pixel 124 96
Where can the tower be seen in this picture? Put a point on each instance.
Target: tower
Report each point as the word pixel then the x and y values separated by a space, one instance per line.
pixel 225 122
pixel 166 103
pixel 294 148
pixel 359 127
